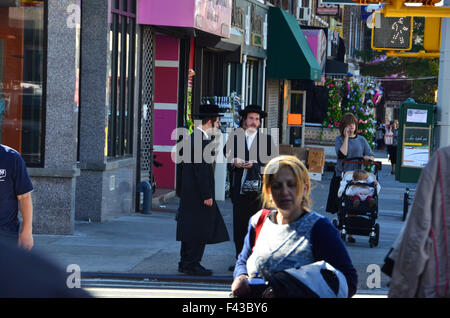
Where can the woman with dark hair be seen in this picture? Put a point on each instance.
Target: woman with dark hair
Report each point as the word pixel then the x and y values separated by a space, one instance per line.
pixel 348 145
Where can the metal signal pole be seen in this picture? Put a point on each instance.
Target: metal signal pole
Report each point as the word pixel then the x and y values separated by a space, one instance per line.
pixel 442 131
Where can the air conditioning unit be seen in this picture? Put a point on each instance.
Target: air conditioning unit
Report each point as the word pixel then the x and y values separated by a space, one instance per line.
pixel 303 12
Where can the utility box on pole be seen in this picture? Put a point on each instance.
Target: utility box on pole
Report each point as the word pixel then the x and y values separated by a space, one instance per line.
pixel 415 140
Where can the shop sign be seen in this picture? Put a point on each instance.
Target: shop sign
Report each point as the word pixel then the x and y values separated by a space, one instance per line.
pixel 294 119
pixel 417 116
pixel 213 16
pixel 238 16
pixel 31 3
pixel 257 40
pixel 317 41
pixel 327 9
pixel 343 2
pixel 416 147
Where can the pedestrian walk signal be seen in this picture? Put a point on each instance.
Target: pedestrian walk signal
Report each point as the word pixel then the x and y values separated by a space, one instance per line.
pixel 391 33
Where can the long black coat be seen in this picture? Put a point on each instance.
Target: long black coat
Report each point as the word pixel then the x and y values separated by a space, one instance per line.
pixel 257 152
pixel 244 206
pixel 197 222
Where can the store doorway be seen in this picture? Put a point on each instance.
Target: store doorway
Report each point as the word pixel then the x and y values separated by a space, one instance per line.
pixel 295 112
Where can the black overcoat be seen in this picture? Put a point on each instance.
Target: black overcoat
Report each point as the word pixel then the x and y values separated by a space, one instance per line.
pixel 244 206
pixel 257 152
pixel 197 222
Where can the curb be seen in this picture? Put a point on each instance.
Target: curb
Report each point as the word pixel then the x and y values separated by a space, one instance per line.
pixel 157 201
pixel 159 277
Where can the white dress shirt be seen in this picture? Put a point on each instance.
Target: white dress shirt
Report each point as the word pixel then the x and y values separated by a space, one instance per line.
pixel 249 139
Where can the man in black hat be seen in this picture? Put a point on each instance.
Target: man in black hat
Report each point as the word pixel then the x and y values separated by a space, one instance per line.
pixel 199 221
pixel 248 150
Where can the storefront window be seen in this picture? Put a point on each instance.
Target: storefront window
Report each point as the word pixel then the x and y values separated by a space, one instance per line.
pixel 121 78
pixel 22 78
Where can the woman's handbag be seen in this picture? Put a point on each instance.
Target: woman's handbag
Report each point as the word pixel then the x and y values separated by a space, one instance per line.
pixel 253 181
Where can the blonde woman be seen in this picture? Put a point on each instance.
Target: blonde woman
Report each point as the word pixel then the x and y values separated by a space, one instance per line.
pixel 291 235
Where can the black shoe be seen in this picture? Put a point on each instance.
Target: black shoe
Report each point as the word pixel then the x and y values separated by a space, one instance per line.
pixel 231 268
pixel 197 270
pixel 351 239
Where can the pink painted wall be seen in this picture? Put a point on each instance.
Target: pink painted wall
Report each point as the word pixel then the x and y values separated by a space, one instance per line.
pixel 166 92
pixel 165 175
pixel 165 121
pixel 166 12
pixel 205 15
pixel 166 85
pixel 312 37
pixel 167 48
pixel 317 42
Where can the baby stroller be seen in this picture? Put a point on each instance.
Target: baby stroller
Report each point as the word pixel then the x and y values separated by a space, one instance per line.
pixel 360 220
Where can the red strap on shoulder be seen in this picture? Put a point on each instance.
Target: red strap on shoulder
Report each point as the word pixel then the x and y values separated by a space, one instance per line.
pixel 260 223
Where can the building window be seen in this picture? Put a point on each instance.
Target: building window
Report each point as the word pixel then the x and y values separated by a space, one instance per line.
pixel 235 76
pixel 252 82
pixel 121 78
pixel 213 79
pixel 22 33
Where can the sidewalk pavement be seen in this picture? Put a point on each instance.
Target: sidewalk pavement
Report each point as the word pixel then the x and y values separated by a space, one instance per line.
pixel 144 245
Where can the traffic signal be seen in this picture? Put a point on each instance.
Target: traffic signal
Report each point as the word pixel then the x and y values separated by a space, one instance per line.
pixel 432 34
pixel 391 33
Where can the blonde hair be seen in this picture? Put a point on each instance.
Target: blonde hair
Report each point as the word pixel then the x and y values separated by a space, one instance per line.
pixel 301 175
pixel 359 175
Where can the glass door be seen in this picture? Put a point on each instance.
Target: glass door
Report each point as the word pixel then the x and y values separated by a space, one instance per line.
pixel 296 118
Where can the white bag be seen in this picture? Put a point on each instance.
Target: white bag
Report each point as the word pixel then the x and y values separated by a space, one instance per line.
pixel 311 276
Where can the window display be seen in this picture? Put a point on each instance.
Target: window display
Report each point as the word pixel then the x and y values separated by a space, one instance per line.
pixel 22 78
pixel 121 78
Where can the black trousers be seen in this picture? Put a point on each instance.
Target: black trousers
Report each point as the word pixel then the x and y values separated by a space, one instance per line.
pixel 392 151
pixel 333 200
pixel 246 206
pixel 191 253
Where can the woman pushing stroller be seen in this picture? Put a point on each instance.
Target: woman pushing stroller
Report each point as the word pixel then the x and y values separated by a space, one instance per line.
pixel 348 145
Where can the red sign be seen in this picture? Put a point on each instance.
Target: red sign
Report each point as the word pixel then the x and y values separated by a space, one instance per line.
pixel 32 3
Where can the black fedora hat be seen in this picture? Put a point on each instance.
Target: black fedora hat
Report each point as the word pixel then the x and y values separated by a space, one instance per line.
pixel 253 109
pixel 209 110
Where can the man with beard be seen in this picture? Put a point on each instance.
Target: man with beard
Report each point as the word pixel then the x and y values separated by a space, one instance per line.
pixel 199 221
pixel 248 150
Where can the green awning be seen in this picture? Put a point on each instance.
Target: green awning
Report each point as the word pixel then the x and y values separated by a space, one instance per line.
pixel 289 55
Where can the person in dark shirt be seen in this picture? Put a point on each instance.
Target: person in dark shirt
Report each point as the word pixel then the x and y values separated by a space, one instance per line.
pixel 15 193
pixel 29 275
